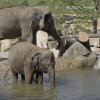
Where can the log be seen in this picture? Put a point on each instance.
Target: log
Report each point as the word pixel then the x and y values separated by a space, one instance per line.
pixel 83 38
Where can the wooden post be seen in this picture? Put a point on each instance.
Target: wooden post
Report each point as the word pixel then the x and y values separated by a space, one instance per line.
pixel 83 38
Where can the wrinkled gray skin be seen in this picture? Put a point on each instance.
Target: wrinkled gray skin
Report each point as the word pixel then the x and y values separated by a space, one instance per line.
pixel 27 59
pixel 26 21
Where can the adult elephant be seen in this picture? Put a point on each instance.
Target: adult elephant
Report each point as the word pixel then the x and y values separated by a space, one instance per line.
pixel 25 21
pixel 27 59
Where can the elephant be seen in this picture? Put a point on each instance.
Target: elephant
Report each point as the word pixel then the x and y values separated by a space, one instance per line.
pixel 25 21
pixel 28 59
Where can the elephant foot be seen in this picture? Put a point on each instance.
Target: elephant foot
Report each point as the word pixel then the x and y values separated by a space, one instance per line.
pixel 39 77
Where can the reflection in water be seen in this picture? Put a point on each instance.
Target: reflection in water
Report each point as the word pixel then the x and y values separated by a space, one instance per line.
pixel 29 92
pixel 70 85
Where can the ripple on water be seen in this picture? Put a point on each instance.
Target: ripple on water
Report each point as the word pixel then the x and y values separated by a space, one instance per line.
pixel 70 85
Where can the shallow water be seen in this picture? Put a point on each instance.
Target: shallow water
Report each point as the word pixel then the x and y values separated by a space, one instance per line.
pixel 83 84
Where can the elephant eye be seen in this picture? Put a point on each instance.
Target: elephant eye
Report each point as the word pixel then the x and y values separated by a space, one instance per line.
pixel 40 17
pixel 48 20
pixel 36 14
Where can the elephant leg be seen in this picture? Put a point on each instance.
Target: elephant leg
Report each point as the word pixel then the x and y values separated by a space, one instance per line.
pixel 34 39
pixel 28 75
pixel 39 77
pixel 15 76
pixel 22 77
pixel 51 73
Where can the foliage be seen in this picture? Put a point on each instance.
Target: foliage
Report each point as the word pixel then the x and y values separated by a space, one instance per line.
pixel 36 2
pixel 8 3
pixel 61 7
pixel 88 9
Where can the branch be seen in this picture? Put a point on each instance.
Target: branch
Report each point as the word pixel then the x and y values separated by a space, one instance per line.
pixel 81 9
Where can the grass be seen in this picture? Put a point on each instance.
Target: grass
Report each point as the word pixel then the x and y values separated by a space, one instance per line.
pixel 7 3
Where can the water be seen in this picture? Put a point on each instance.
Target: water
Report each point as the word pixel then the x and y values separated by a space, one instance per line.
pixel 82 84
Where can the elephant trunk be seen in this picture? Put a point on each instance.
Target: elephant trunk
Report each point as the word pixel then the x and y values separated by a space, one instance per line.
pixel 51 73
pixel 53 32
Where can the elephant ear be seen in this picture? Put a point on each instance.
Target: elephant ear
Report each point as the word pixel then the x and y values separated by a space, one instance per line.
pixel 48 19
pixel 35 59
pixel 46 15
pixel 32 60
pixel 35 56
pixel 28 23
pixel 45 58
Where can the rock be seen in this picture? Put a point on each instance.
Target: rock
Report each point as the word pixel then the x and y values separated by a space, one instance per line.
pixel 94 42
pixel 97 63
pixel 55 51
pixel 42 39
pixel 84 61
pixel 75 50
pixel 78 62
pixel 95 49
pixel 14 41
pixel 5 45
pixel 63 64
pixel 3 55
pixel 52 44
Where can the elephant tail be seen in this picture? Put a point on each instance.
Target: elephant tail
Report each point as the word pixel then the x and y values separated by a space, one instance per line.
pixel 6 73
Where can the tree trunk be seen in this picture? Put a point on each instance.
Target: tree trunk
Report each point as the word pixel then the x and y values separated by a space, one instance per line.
pixel 95 22
pixel 95 17
pixel 83 38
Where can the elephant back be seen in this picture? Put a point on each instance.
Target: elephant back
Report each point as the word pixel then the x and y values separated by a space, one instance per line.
pixel 43 9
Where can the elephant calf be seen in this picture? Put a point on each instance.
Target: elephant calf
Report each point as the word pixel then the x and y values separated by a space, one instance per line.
pixel 27 59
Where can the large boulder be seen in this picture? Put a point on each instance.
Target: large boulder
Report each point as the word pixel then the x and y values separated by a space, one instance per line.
pixel 78 62
pixel 97 63
pixel 75 50
pixel 84 61
pixel 76 56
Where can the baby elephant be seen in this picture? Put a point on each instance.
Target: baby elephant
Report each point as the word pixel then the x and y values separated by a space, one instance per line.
pixel 27 59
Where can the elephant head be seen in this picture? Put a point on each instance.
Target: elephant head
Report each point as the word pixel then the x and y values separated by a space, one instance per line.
pixel 46 23
pixel 44 62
